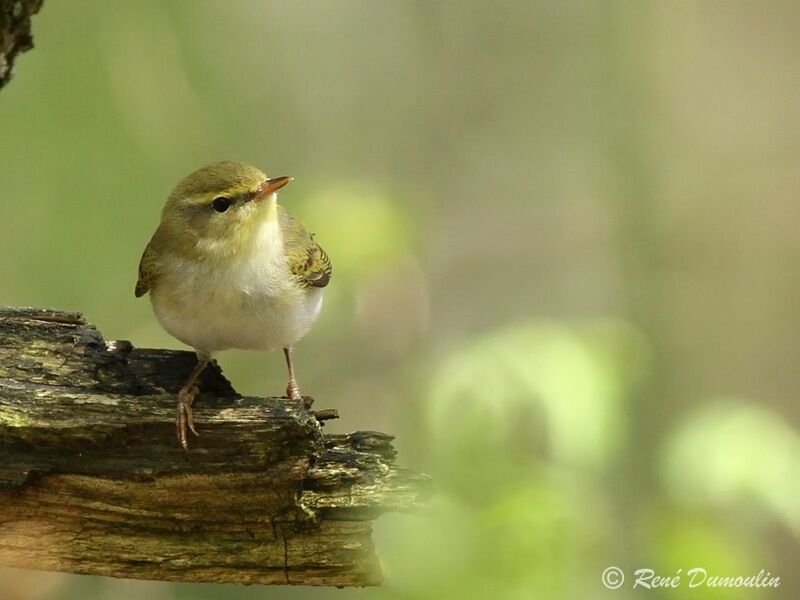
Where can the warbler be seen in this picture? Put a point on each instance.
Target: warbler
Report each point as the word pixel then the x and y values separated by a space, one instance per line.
pixel 229 267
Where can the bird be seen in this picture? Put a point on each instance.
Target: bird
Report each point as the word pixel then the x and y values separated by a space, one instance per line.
pixel 230 268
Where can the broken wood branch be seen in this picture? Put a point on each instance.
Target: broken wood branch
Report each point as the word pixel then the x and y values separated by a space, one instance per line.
pixel 92 479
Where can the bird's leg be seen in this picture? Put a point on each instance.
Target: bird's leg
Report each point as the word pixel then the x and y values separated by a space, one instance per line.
pixel 292 389
pixel 184 418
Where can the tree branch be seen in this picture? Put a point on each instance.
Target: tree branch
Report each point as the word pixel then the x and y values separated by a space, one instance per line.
pixel 15 33
pixel 93 480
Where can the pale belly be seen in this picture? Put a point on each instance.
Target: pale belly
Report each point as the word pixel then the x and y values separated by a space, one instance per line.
pixel 231 314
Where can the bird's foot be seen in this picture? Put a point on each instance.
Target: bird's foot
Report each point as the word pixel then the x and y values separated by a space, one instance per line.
pixel 293 390
pixel 185 419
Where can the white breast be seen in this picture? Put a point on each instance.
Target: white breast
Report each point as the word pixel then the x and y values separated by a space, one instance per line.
pixel 253 303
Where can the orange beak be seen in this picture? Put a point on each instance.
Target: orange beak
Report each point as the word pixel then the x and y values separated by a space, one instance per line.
pixel 272 185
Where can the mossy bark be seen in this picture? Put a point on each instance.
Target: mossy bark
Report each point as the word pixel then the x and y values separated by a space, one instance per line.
pixel 93 480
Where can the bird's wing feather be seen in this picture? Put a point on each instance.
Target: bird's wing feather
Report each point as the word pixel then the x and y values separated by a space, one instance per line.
pixel 307 259
pixel 148 268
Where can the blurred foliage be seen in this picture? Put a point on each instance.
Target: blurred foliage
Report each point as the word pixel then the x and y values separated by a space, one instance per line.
pixel 366 230
pixel 574 376
pixel 730 453
pixel 564 247
pixel 683 540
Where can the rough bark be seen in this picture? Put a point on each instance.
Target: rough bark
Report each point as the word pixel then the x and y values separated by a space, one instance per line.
pixel 93 480
pixel 15 33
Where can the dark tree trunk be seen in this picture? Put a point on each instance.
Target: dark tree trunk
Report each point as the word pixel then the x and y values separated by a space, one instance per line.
pixel 15 33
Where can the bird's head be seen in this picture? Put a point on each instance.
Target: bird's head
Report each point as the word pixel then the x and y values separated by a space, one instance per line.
pixel 218 207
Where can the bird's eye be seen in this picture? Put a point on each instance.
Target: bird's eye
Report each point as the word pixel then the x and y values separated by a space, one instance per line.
pixel 221 204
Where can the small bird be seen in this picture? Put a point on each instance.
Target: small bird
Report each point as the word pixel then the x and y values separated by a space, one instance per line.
pixel 229 267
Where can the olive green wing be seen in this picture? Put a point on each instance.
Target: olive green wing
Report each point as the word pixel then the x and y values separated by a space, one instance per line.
pixel 307 259
pixel 148 269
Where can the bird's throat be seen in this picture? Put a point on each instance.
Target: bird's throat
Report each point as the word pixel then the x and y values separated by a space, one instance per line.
pixel 271 207
pixel 268 239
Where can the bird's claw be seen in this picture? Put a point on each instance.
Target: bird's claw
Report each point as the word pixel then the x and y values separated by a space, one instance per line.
pixel 185 418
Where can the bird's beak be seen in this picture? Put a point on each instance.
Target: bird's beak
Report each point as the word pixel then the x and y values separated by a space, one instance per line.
pixel 270 186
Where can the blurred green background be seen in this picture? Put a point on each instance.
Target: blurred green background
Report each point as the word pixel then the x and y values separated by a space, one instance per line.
pixel 565 250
